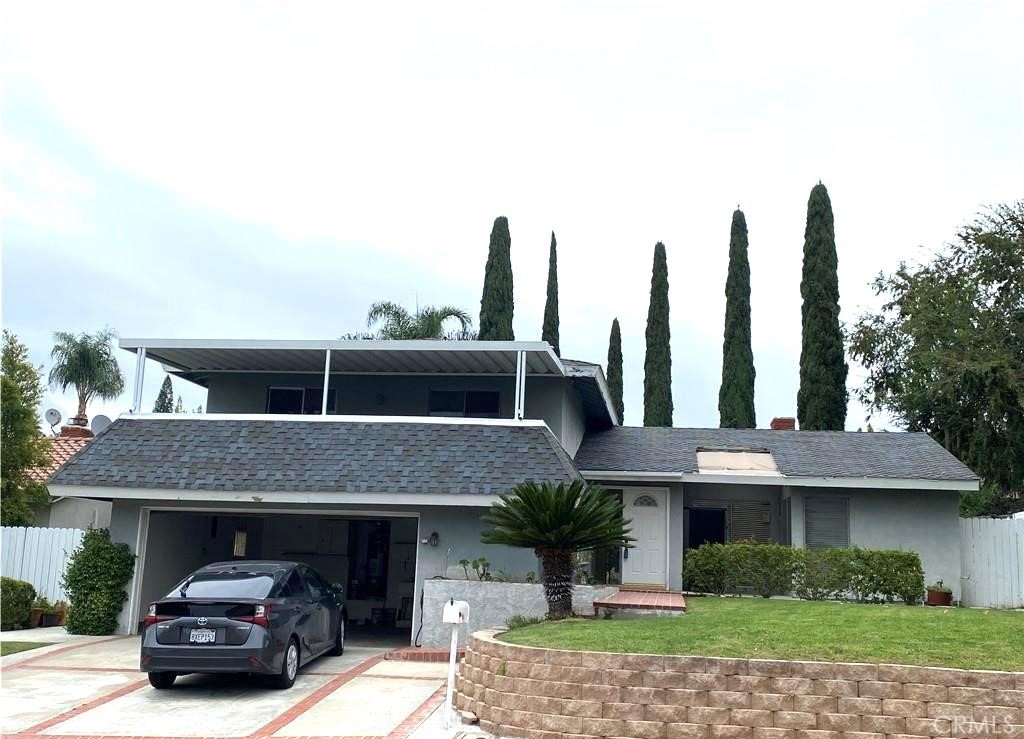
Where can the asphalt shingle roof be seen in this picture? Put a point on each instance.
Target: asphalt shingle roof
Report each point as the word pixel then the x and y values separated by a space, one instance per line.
pixel 311 456
pixel 796 453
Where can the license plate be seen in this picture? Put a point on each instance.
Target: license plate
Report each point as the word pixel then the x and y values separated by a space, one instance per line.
pixel 202 636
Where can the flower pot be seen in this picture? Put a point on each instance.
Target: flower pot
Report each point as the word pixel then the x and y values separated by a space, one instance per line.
pixel 938 598
pixel 33 621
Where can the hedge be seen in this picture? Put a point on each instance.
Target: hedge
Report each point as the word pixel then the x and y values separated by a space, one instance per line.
pixel 16 598
pixel 95 582
pixel 773 569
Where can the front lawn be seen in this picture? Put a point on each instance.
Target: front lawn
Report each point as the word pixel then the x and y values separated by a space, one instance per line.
pixel 796 629
pixel 13 647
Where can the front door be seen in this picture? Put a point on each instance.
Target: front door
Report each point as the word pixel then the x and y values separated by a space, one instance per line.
pixel 645 562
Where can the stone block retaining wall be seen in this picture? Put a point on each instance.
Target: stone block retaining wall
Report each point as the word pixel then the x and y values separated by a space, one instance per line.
pixel 548 694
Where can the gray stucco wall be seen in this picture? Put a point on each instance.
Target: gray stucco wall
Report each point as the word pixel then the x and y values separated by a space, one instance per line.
pixel 492 604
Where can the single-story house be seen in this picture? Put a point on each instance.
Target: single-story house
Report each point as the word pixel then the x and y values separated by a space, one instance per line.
pixel 381 480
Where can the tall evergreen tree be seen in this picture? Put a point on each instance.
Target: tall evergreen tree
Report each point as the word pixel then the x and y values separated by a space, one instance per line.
pixel 550 331
pixel 615 369
pixel 821 400
pixel 736 394
pixel 496 302
pixel 165 398
pixel 658 361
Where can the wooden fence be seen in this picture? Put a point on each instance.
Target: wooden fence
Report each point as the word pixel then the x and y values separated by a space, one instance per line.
pixel 38 555
pixel 992 562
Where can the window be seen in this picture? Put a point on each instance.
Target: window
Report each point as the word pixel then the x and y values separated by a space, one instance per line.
pixel 299 400
pixel 750 521
pixel 314 584
pixel 464 403
pixel 233 584
pixel 645 501
pixel 826 522
pixel 293 587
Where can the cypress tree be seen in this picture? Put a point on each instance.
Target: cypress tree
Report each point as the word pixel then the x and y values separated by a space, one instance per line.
pixel 658 362
pixel 615 369
pixel 165 398
pixel 736 394
pixel 549 332
pixel 496 302
pixel 821 401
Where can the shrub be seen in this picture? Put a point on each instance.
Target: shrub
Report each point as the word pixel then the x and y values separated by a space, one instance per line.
pixel 16 597
pixel 519 621
pixel 709 569
pixel 95 583
pixel 872 575
pixel 765 568
pixel 821 574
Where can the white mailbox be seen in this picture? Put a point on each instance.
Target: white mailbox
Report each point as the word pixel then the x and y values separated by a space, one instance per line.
pixel 455 612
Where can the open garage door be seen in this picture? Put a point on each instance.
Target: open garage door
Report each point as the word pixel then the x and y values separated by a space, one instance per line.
pixel 372 557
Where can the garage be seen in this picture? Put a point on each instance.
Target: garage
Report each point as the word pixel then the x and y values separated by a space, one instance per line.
pixel 371 556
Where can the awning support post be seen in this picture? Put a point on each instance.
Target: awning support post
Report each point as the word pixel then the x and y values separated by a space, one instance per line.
pixel 520 409
pixel 327 379
pixel 140 373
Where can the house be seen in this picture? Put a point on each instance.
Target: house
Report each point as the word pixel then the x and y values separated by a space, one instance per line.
pixel 74 512
pixel 381 480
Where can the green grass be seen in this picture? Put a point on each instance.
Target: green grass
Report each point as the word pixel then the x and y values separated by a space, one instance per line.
pixel 13 647
pixel 792 629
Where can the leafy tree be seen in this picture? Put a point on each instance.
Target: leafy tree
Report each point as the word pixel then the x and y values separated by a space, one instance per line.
pixel 86 362
pixel 736 394
pixel 615 369
pixel 496 304
pixel 426 323
pixel 557 521
pixel 22 446
pixel 658 361
pixel 16 366
pixel 550 330
pixel 165 398
pixel 821 400
pixel 945 354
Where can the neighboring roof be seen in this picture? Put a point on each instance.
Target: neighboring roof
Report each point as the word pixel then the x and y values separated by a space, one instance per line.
pixel 798 454
pixel 318 454
pixel 593 389
pixel 62 448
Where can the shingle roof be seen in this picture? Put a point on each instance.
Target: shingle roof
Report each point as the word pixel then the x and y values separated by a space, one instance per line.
pixel 62 448
pixel 840 454
pixel 325 456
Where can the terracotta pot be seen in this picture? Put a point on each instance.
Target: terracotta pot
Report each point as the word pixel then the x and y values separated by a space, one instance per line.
pixel 33 621
pixel 938 598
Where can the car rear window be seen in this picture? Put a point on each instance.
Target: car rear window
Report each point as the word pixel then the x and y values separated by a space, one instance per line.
pixel 224 585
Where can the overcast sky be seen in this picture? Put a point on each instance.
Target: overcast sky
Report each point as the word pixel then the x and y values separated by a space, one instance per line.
pixel 221 170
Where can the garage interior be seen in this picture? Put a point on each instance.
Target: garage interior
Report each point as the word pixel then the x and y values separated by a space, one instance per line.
pixel 372 557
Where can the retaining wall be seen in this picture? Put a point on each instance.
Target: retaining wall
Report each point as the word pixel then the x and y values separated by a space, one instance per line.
pixel 547 694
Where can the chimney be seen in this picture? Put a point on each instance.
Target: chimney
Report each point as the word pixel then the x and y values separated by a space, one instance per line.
pixel 783 423
pixel 76 432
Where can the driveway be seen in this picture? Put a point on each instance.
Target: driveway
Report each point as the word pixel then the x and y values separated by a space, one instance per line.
pixel 93 688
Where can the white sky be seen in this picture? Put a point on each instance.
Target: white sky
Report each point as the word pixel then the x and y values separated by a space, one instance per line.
pixel 268 170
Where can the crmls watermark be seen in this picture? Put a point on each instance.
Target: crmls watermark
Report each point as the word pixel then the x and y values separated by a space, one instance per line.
pixel 970 726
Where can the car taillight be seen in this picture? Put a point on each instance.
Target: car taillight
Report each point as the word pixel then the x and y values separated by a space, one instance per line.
pixel 260 617
pixel 152 617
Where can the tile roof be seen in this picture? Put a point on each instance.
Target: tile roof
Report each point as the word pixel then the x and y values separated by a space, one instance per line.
pixel 318 456
pixel 62 448
pixel 896 455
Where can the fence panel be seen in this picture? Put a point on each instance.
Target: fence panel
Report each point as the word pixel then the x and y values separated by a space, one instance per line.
pixel 992 562
pixel 38 555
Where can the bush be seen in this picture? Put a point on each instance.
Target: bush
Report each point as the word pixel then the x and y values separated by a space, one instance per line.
pixel 519 621
pixel 16 597
pixel 821 574
pixel 94 581
pixel 765 568
pixel 709 569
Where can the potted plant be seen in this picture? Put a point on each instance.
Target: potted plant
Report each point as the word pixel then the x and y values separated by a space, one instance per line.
pixel 939 595
pixel 61 608
pixel 39 606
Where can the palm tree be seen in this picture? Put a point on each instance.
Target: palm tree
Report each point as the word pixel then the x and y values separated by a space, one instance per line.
pixel 425 323
pixel 87 362
pixel 557 521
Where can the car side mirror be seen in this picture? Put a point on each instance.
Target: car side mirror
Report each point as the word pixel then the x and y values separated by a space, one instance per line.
pixel 338 589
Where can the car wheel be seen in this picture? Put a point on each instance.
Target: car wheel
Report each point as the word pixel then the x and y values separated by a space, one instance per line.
pixel 289 665
pixel 339 640
pixel 162 680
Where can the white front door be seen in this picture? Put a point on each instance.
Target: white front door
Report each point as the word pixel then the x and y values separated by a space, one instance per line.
pixel 645 562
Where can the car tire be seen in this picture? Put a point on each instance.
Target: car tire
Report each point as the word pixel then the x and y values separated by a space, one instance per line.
pixel 339 639
pixel 162 680
pixel 289 666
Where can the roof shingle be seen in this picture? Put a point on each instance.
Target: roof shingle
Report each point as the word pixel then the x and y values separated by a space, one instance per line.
pixel 62 448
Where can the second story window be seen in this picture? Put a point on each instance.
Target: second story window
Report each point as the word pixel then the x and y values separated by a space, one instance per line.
pixel 464 403
pixel 298 400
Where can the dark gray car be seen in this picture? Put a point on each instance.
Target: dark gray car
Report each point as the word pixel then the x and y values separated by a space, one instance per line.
pixel 264 617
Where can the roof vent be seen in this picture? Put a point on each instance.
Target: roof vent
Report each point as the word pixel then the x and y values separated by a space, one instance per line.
pixel 783 423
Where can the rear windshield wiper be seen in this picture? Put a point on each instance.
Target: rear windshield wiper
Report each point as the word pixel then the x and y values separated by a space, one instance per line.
pixel 184 586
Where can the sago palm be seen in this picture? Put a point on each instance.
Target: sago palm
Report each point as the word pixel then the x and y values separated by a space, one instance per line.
pixel 87 363
pixel 557 521
pixel 426 323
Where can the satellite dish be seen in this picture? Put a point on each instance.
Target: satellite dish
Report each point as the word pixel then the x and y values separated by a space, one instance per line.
pixel 99 423
pixel 52 417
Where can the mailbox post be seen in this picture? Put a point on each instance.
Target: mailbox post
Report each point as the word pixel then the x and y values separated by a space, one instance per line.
pixel 456 613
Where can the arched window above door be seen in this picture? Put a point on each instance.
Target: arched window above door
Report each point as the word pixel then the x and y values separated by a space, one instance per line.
pixel 645 501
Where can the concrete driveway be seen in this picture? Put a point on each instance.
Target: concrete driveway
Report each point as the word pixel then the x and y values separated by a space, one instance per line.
pixel 91 687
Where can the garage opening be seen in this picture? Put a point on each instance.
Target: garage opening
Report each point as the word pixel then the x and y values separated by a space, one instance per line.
pixel 372 557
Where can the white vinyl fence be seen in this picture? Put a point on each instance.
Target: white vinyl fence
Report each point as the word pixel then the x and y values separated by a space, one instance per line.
pixel 39 556
pixel 992 562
